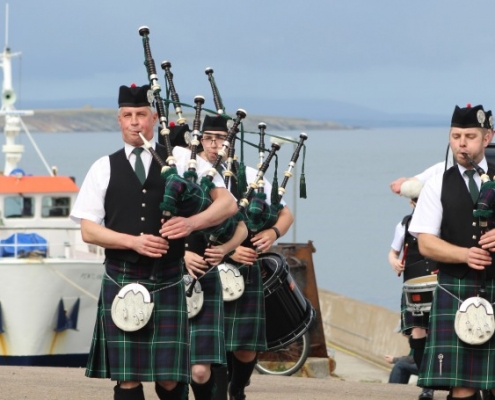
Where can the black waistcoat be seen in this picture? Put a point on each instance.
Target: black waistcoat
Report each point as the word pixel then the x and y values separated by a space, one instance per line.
pixel 134 208
pixel 459 227
pixel 415 264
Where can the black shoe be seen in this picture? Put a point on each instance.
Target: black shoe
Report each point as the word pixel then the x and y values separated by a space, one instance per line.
pixel 426 394
pixel 238 396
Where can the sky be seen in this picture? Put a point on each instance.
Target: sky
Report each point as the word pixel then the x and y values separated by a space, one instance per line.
pixel 314 59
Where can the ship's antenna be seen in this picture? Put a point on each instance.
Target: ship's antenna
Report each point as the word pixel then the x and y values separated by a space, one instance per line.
pixel 6 25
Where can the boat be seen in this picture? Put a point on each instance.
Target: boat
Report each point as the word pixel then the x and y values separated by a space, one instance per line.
pixel 49 278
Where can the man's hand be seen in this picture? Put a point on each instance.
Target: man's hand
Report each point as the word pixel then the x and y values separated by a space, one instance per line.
pixel 195 264
pixel 244 255
pixel 478 258
pixel 176 228
pixel 150 245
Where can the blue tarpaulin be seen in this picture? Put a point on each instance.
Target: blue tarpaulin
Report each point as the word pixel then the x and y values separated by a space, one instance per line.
pixel 19 244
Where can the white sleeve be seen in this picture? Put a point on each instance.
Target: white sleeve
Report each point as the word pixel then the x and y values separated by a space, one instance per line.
pixel 438 168
pixel 427 217
pixel 398 242
pixel 90 202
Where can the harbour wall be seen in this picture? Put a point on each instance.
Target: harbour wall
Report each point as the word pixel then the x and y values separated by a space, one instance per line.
pixel 366 330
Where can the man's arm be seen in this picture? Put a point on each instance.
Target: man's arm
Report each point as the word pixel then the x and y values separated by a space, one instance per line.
pixel 222 207
pixel 147 245
pixel 438 249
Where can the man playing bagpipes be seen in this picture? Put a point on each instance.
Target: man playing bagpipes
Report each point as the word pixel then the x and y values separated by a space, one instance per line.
pixel 245 317
pixel 206 323
pixel 118 207
pixel 459 357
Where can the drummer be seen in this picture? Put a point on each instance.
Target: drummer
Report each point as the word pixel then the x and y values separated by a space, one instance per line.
pixel 411 265
pixel 447 232
pixel 245 331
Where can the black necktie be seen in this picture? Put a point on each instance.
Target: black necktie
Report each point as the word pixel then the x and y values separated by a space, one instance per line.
pixel 139 166
pixel 473 187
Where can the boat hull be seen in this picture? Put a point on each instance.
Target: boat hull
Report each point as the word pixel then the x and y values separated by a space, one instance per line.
pixel 48 310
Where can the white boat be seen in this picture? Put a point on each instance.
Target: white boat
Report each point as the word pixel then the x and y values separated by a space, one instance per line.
pixel 49 278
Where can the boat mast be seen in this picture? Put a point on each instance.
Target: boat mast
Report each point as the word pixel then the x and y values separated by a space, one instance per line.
pixel 13 122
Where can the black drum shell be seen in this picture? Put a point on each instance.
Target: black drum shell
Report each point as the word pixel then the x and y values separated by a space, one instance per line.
pixel 288 313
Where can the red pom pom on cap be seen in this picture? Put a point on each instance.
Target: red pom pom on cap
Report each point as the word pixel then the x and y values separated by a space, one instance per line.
pixel 468 105
pixel 133 85
pixel 171 124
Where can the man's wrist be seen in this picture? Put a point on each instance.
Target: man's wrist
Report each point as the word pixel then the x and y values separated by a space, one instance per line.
pixel 277 232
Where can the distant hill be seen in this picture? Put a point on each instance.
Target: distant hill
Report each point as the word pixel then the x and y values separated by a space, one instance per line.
pixel 311 112
pixel 105 120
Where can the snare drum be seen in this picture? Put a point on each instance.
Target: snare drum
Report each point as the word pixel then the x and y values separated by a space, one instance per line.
pixel 419 293
pixel 288 313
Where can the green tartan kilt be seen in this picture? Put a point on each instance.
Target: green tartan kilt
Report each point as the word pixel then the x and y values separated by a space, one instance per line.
pixel 207 327
pixel 448 362
pixel 245 317
pixel 157 352
pixel 409 321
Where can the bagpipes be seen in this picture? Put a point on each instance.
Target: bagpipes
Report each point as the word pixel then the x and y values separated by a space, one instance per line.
pixel 228 227
pixel 261 215
pixel 182 197
pixel 474 320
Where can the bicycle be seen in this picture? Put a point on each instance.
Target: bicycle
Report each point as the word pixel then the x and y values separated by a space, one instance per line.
pixel 287 360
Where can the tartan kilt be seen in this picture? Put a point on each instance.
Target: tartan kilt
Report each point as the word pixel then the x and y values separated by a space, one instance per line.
pixel 448 362
pixel 157 352
pixel 206 329
pixel 409 321
pixel 245 327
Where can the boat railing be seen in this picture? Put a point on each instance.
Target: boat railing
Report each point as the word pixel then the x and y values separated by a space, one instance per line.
pixel 48 242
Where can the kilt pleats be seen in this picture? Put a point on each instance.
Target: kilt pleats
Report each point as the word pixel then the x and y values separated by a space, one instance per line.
pixel 245 317
pixel 207 327
pixel 160 350
pixel 448 362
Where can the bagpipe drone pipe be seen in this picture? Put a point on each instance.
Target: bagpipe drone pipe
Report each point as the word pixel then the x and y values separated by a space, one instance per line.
pixel 260 214
pixel 182 196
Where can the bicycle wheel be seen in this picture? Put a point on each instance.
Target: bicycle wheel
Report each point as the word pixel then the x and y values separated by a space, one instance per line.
pixel 285 361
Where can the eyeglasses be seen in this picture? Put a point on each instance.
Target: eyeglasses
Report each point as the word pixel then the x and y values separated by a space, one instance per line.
pixel 213 139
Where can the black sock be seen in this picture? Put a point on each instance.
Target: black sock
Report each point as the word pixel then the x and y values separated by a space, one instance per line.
pixel 418 347
pixel 230 355
pixel 179 392
pixel 221 382
pixel 204 391
pixel 128 394
pixel 241 372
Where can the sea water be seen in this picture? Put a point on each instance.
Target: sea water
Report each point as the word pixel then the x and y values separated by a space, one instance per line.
pixel 350 212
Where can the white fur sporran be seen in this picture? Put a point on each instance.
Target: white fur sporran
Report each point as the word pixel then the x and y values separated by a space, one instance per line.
pixel 195 302
pixel 232 281
pixel 132 307
pixel 474 321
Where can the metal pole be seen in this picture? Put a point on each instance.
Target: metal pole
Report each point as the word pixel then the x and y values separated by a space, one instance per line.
pixel 294 200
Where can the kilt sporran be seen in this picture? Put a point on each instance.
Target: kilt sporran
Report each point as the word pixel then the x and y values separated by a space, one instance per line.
pixel 474 321
pixel 132 307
